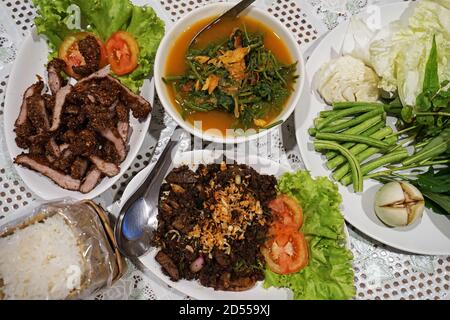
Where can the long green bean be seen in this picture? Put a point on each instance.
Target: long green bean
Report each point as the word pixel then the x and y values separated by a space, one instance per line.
pixel 352 138
pixel 376 163
pixel 347 104
pixel 344 113
pixel 356 169
pixel 334 123
pixel 326 113
pixel 353 122
pixel 357 129
pixel 360 147
pixel 361 156
pixel 372 130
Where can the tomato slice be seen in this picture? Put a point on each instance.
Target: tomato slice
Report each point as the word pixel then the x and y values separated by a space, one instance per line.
pixel 69 52
pixel 287 210
pixel 287 251
pixel 123 52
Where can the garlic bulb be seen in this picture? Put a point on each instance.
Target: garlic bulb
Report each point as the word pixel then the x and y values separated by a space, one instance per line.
pixel 399 204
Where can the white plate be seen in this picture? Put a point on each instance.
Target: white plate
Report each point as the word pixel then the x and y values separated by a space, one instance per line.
pixel 431 235
pixel 193 288
pixel 31 61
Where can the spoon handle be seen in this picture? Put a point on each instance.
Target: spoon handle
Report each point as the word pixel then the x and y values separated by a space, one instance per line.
pixel 156 173
pixel 241 6
pixel 230 14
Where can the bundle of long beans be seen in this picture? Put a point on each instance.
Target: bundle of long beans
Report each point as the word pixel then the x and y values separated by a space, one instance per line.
pixel 357 141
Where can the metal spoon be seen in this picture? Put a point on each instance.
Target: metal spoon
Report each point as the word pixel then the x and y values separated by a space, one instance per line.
pixel 230 14
pixel 137 219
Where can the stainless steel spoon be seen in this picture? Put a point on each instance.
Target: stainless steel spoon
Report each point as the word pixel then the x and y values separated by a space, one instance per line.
pixel 230 14
pixel 137 219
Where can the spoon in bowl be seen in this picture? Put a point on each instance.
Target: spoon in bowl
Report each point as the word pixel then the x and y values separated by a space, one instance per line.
pixel 230 14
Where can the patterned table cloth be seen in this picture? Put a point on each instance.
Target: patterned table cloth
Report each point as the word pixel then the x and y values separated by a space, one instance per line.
pixel 381 272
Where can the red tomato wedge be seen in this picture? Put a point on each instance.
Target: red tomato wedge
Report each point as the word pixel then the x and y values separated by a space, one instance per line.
pixel 287 210
pixel 286 252
pixel 69 52
pixel 123 52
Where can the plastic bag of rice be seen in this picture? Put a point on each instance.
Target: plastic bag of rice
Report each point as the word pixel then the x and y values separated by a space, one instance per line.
pixel 63 250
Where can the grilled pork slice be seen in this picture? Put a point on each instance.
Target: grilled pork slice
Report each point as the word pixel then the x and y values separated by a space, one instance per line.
pixel 59 103
pixel 138 105
pixel 42 166
pixel 52 150
pixel 37 113
pixel 55 79
pixel 91 180
pixel 78 168
pixel 34 89
pixel 123 126
pixel 108 168
pixel 103 72
pixel 113 136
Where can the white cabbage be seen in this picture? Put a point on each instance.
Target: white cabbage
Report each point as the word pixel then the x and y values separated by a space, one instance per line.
pixel 347 79
pixel 399 54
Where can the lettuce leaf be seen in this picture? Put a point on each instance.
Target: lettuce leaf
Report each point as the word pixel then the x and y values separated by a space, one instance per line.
pixel 51 21
pixel 104 17
pixel 329 274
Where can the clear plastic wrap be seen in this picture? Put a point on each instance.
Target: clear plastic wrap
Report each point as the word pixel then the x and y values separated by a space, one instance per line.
pixel 100 261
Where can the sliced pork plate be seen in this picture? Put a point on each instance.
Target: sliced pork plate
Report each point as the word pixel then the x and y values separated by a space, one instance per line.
pixel 76 135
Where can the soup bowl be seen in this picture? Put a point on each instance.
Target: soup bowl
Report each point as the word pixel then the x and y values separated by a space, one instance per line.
pixel 211 11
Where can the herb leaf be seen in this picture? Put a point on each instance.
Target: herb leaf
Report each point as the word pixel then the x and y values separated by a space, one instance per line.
pixel 431 76
pixel 439 201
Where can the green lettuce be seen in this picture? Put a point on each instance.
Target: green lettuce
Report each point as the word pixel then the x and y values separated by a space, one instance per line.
pixel 104 17
pixel 329 274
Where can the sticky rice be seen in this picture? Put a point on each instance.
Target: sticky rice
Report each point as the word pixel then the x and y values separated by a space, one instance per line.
pixel 41 261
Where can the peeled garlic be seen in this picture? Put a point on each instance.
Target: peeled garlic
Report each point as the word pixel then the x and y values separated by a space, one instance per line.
pixel 399 204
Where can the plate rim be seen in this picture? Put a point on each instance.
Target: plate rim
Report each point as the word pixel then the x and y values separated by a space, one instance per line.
pixel 299 123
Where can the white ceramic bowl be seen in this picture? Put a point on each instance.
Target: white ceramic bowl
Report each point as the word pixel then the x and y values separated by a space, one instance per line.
pixel 211 11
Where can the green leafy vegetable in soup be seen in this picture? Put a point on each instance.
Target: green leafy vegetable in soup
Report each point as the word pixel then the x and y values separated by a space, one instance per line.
pixel 237 75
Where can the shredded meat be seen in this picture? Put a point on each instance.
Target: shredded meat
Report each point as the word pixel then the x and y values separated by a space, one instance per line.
pixel 218 215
